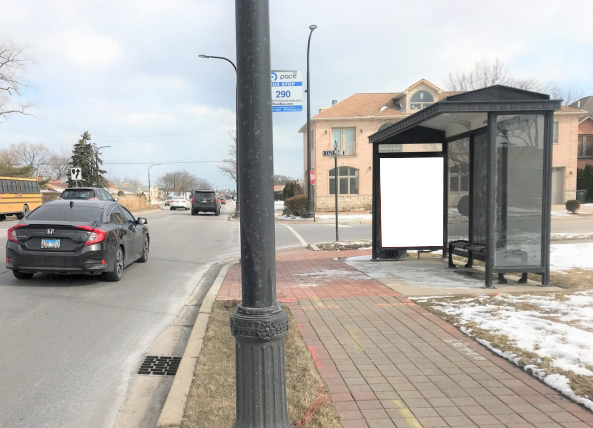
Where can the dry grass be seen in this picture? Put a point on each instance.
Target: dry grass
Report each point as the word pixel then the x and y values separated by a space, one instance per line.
pixel 344 245
pixel 211 402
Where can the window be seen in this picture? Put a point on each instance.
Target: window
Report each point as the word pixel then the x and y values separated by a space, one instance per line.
pixel 129 217
pixel 347 181
pixel 585 146
pixel 84 214
pixel 116 216
pixel 344 139
pixel 555 133
pixel 420 100
pixel 459 178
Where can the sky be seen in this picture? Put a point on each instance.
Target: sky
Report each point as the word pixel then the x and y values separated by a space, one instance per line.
pixel 129 72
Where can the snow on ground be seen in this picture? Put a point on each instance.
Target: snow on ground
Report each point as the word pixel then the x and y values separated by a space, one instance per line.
pixel 278 205
pixel 558 331
pixel 570 236
pixel 565 213
pixel 569 256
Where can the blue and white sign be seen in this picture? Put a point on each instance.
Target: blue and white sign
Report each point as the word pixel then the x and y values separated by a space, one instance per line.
pixel 287 90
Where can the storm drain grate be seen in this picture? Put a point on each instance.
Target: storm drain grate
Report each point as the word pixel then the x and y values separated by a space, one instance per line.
pixel 164 365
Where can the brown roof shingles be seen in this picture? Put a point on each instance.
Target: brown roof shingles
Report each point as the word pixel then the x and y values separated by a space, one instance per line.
pixel 358 105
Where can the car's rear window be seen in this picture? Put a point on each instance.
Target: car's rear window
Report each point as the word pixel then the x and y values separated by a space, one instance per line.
pixel 78 194
pixel 205 194
pixel 65 213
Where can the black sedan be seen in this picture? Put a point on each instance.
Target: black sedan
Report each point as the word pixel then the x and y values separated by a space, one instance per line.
pixel 77 237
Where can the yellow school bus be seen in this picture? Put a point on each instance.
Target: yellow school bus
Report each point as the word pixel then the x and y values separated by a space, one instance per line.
pixel 18 196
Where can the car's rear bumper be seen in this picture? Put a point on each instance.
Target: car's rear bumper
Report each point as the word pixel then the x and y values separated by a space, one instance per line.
pixel 88 260
pixel 205 207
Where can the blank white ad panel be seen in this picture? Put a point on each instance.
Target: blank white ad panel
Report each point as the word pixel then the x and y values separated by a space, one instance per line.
pixel 411 202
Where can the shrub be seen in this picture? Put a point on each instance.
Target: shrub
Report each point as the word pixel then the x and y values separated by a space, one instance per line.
pixel 292 188
pixel 573 205
pixel 297 205
pixel 120 193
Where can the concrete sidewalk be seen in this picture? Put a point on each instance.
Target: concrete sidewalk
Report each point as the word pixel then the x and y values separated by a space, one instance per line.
pixel 390 363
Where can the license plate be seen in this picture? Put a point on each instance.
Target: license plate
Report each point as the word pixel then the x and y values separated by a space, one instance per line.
pixel 50 243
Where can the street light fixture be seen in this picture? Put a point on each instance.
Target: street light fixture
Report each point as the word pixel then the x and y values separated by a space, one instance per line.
pixel 97 161
pixel 309 213
pixel 238 206
pixel 149 189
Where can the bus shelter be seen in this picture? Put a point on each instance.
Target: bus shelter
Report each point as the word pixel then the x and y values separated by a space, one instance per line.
pixel 469 175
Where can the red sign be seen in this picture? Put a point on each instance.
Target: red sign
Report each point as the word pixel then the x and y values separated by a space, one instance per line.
pixel 312 175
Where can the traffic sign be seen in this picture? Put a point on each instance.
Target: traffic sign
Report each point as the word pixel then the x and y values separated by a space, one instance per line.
pixel 333 153
pixel 312 175
pixel 76 173
pixel 287 91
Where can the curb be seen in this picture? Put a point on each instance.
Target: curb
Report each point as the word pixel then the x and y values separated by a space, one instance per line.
pixel 174 408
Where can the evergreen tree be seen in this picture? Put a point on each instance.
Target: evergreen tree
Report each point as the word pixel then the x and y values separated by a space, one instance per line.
pixel 585 181
pixel 7 170
pixel 84 156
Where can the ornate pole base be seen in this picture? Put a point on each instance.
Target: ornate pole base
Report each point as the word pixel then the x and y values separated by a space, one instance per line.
pixel 261 378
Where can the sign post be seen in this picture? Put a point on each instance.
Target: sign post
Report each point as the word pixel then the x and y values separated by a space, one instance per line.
pixel 335 154
pixel 287 91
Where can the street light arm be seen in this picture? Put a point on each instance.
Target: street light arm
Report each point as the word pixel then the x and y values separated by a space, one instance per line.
pixel 220 57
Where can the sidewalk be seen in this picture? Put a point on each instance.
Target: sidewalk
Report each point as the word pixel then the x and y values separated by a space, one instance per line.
pixel 390 363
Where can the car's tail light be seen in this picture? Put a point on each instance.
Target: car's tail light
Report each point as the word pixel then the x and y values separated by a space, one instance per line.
pixel 184 201
pixel 12 233
pixel 192 200
pixel 215 200
pixel 96 235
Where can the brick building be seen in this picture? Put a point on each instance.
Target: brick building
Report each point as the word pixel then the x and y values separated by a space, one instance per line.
pixel 349 123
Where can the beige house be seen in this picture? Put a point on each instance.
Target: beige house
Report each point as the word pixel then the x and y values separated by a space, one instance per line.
pixel 349 123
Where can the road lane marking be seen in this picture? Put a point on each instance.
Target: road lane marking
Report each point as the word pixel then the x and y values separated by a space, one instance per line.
pixel 299 237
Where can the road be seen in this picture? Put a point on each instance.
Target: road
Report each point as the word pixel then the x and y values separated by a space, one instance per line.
pixel 69 346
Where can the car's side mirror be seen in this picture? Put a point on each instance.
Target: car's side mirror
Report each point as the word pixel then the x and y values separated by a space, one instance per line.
pixel 142 220
pixel 115 199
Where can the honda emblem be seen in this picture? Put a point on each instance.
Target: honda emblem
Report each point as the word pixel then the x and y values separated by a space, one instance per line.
pixel 50 231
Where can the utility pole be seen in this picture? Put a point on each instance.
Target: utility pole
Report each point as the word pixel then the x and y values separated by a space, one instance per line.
pixel 259 324
pixel 309 213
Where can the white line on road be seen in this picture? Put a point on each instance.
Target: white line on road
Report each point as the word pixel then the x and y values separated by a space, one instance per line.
pixel 299 237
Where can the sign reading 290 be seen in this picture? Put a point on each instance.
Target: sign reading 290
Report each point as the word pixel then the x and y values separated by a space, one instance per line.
pixel 287 91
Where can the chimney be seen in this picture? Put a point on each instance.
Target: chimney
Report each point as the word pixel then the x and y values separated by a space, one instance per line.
pixel 334 102
pixel 40 177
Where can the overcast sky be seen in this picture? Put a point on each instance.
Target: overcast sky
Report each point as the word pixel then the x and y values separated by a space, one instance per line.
pixel 129 72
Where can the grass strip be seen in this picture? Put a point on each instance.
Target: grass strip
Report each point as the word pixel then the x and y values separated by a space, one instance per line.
pixel 211 401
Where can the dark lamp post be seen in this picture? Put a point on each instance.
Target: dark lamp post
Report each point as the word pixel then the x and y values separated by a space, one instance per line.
pixel 97 162
pixel 309 213
pixel 259 324
pixel 238 205
pixel 149 189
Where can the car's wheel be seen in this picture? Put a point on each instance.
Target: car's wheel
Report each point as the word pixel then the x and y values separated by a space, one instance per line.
pixel 2 217
pixel 118 268
pixel 217 212
pixel 171 208
pixel 22 275
pixel 145 251
pixel 193 212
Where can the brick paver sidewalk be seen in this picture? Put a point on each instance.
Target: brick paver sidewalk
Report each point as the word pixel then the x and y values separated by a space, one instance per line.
pixel 390 363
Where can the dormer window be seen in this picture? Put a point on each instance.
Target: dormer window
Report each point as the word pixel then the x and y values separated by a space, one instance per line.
pixel 420 100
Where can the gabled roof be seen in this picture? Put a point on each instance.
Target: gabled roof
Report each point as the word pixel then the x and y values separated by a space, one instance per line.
pixel 586 104
pixel 426 82
pixel 359 105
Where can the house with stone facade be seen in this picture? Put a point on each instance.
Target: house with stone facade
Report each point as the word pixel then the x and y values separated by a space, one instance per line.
pixel 346 125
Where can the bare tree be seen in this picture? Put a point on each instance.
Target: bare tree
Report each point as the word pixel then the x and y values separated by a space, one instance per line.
pixel 229 164
pixel 60 163
pixel 132 182
pixel 568 94
pixel 13 64
pixel 281 179
pixel 32 154
pixel 8 157
pixel 182 181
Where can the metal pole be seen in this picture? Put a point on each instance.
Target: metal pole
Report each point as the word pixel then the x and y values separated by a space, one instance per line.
pixel 259 324
pixel 238 204
pixel 97 162
pixel 149 189
pixel 336 191
pixel 309 213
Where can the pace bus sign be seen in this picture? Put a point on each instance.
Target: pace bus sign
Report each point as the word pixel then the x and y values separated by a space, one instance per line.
pixel 287 91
